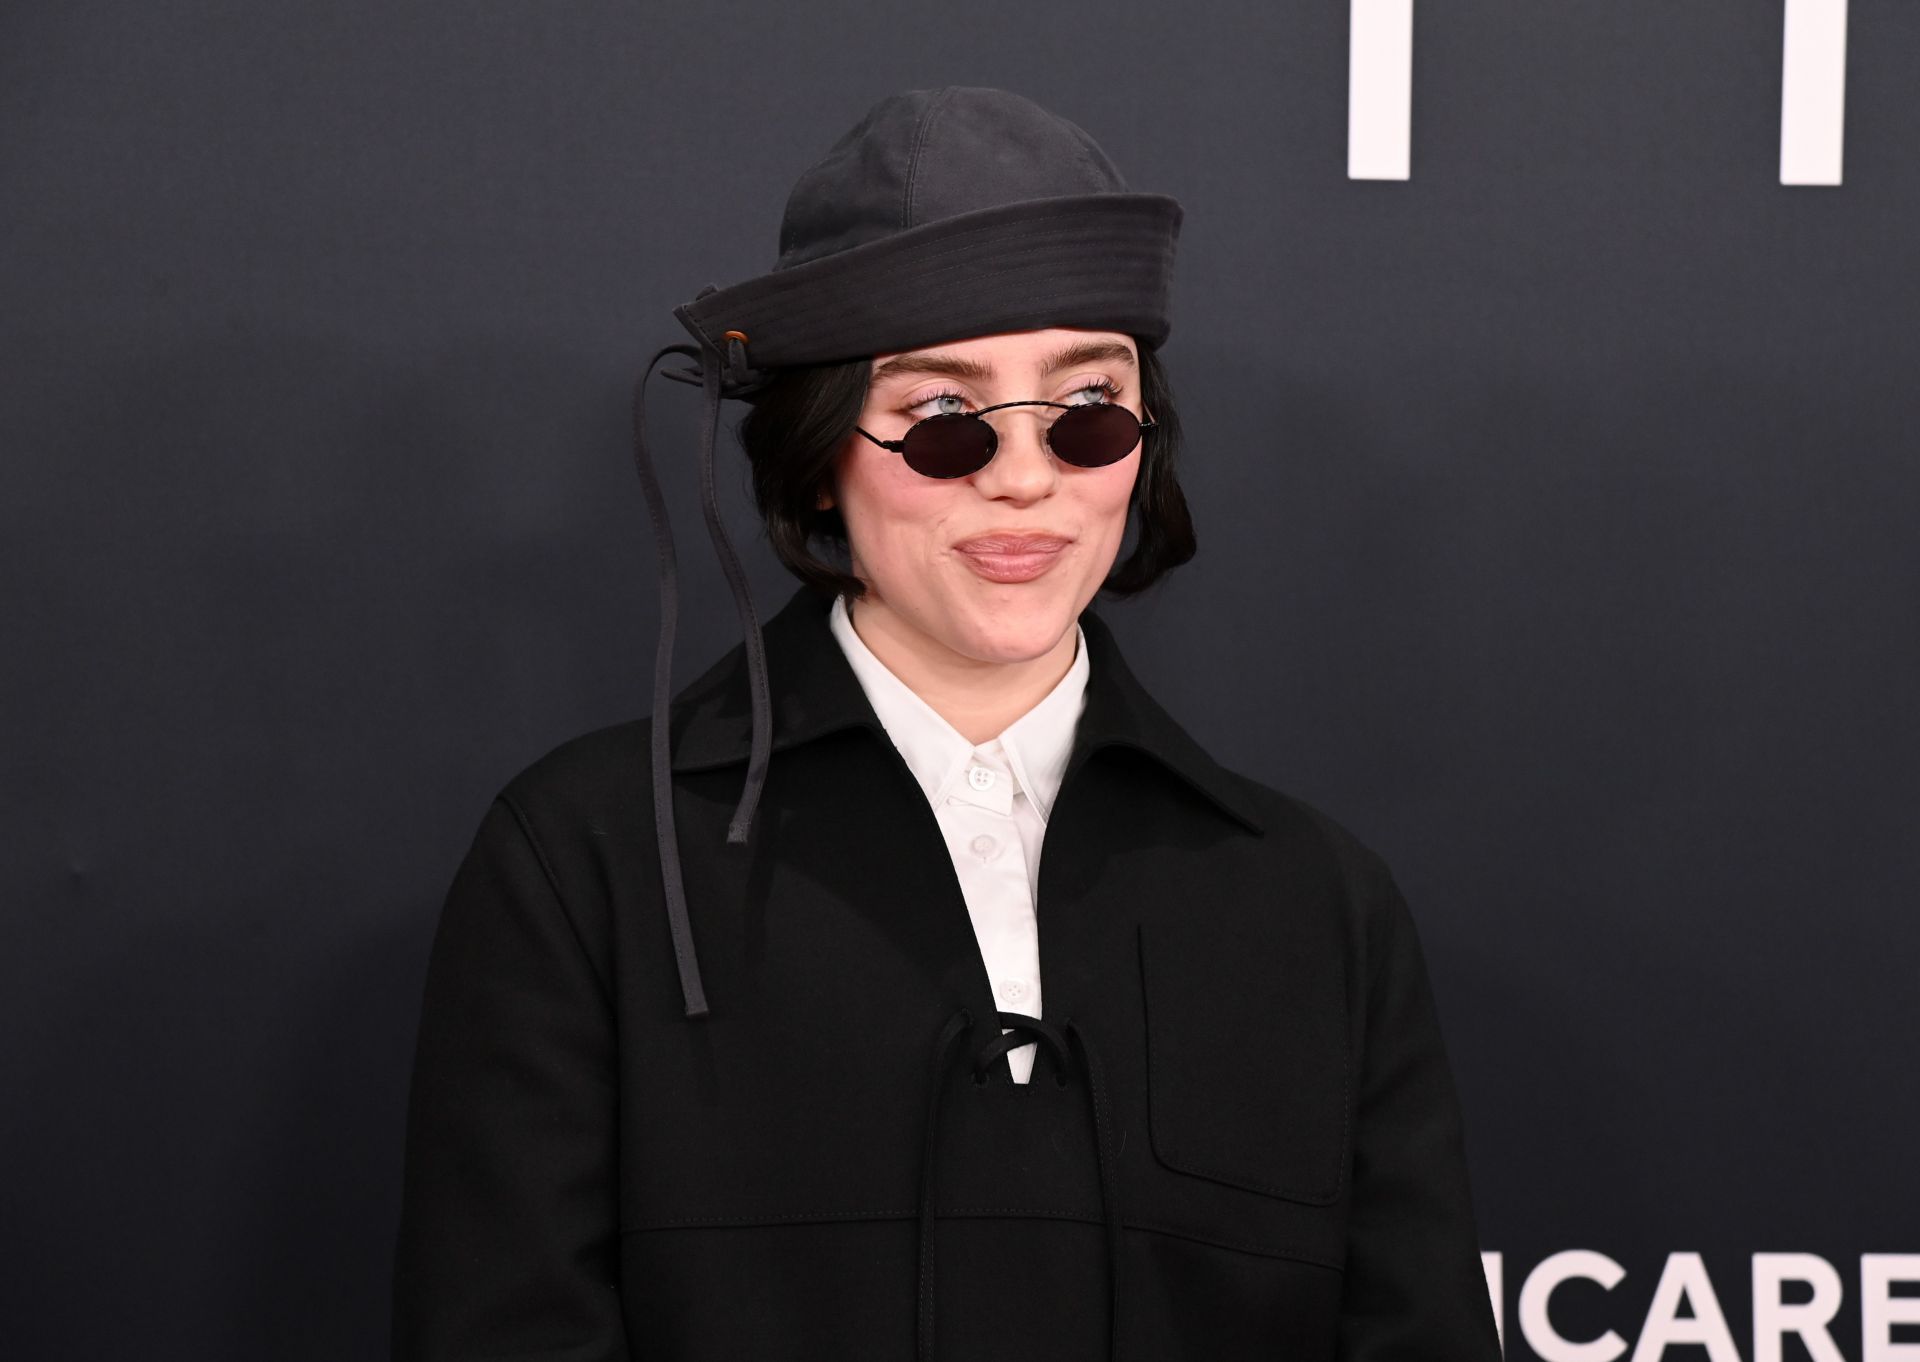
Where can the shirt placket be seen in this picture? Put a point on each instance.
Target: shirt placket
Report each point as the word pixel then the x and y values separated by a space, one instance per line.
pixel 980 819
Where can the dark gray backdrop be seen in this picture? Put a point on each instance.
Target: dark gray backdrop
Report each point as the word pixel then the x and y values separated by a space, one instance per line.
pixel 1556 511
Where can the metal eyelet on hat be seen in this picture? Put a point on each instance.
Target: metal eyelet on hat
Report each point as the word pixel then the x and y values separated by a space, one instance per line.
pixel 739 372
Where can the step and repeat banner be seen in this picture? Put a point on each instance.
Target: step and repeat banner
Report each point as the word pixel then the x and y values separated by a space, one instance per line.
pixel 1552 398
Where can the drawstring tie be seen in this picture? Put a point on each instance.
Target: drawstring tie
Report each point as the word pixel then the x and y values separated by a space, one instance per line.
pixel 1055 1040
pixel 728 376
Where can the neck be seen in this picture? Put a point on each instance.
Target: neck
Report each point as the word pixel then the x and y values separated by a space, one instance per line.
pixel 980 699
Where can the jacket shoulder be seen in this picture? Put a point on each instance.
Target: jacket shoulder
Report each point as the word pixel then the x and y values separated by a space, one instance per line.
pixel 585 800
pixel 1289 816
pixel 1297 827
pixel 575 805
pixel 603 767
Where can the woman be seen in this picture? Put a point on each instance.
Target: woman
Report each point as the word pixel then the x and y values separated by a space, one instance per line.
pixel 847 1068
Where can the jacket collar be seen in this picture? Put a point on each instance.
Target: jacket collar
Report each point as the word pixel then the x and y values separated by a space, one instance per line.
pixel 815 692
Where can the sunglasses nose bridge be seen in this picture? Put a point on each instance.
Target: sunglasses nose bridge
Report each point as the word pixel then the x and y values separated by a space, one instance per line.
pixel 1037 427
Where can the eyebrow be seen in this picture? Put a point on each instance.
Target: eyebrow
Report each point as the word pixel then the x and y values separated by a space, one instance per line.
pixel 1080 352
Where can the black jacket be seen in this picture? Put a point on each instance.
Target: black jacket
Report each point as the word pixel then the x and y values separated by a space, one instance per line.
pixel 1241 1139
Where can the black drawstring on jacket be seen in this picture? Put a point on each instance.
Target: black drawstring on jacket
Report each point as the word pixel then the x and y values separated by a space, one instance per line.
pixel 1025 1029
pixel 731 377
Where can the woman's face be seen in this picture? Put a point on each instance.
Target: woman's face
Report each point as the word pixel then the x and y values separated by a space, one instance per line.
pixel 909 533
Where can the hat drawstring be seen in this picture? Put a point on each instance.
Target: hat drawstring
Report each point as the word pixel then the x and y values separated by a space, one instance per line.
pixel 715 383
pixel 738 375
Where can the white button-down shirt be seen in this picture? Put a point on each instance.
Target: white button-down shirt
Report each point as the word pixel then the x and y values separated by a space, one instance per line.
pixel 992 802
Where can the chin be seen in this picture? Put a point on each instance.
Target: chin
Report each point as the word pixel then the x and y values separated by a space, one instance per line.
pixel 1017 631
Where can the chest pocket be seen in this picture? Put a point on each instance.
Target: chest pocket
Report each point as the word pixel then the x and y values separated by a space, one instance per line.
pixel 1248 1075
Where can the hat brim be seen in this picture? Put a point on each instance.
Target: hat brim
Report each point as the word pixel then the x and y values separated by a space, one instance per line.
pixel 1101 260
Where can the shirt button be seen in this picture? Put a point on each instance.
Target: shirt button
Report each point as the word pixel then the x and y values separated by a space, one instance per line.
pixel 983 846
pixel 979 777
pixel 1013 990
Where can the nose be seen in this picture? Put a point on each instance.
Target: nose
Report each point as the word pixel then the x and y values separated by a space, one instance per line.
pixel 1022 467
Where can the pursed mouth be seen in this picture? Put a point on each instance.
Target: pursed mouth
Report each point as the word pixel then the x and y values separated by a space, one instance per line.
pixel 1001 548
pixel 1025 565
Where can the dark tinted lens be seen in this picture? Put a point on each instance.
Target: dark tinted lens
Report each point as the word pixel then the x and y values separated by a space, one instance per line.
pixel 950 445
pixel 1094 434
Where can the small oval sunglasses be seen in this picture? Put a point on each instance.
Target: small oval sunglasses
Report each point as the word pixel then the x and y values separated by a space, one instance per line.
pixel 952 444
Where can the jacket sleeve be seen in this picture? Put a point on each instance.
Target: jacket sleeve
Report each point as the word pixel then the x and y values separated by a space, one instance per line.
pixel 1414 1289
pixel 508 1242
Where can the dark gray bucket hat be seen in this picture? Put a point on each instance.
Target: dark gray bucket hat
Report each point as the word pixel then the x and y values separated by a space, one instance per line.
pixel 942 214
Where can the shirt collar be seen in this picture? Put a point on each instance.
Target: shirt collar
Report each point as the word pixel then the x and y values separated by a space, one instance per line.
pixel 1035 746
pixel 815 692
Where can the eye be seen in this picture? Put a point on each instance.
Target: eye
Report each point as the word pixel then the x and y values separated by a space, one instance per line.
pixel 945 395
pixel 1107 388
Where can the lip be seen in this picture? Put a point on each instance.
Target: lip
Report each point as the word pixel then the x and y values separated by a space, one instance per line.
pixel 1011 557
pixel 1014 541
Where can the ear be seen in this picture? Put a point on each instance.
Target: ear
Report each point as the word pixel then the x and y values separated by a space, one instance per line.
pixel 824 502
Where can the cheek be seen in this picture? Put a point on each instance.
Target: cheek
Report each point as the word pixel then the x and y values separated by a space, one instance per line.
pixel 1110 492
pixel 889 509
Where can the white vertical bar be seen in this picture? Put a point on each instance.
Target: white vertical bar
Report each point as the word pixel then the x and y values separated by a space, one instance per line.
pixel 1492 1265
pixel 1380 90
pixel 1813 92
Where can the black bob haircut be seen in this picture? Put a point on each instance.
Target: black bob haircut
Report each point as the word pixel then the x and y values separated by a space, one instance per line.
pixel 802 417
